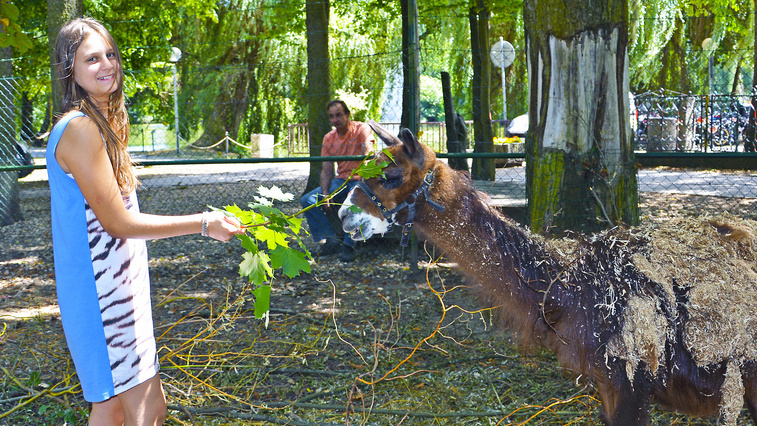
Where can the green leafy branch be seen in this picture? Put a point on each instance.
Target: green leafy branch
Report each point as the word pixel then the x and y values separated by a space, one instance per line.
pixel 10 30
pixel 273 237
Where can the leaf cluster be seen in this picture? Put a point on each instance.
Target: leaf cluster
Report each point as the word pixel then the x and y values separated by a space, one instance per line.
pixel 273 239
pixel 267 241
pixel 11 34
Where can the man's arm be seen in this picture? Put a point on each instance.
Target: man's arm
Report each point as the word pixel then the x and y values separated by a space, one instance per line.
pixel 367 139
pixel 327 175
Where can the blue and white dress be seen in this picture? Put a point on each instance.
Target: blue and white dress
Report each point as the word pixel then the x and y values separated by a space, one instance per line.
pixel 103 289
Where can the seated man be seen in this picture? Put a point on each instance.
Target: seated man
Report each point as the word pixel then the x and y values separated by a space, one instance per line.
pixel 347 138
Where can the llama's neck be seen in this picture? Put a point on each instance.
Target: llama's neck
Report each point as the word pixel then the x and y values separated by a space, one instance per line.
pixel 486 245
pixel 479 238
pixel 511 268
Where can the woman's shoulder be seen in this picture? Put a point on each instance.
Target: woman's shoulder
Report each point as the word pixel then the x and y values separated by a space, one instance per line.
pixel 80 130
pixel 73 115
pixel 76 122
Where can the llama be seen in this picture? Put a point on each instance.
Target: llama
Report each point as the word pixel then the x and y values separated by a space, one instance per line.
pixel 628 308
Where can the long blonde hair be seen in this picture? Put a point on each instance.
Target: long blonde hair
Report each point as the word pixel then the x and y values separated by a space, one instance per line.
pixel 115 128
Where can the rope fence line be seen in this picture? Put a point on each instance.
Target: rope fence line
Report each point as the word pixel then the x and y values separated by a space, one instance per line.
pixel 226 139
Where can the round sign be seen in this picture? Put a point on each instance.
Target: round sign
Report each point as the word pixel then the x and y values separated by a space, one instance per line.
pixel 502 54
pixel 175 54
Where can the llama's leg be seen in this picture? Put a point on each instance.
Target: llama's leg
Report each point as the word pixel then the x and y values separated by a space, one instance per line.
pixel 623 404
pixel 749 375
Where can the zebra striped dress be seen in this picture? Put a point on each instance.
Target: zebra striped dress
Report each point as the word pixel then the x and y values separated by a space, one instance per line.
pixel 103 289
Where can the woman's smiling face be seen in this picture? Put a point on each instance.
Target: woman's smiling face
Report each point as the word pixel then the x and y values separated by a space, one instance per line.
pixel 96 69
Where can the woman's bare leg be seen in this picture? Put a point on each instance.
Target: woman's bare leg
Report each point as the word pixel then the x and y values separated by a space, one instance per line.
pixel 145 404
pixel 107 413
pixel 142 405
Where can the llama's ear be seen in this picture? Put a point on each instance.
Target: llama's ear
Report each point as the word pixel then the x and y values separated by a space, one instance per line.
pixel 388 138
pixel 412 146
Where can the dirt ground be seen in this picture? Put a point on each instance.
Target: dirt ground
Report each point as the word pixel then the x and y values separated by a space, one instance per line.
pixel 352 343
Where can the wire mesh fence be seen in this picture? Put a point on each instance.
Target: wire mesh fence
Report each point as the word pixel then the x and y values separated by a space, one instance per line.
pixel 214 145
pixel 205 110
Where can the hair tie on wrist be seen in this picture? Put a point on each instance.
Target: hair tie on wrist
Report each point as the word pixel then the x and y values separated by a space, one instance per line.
pixel 205 232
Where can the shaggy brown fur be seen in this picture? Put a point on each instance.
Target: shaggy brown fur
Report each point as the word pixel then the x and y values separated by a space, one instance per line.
pixel 606 305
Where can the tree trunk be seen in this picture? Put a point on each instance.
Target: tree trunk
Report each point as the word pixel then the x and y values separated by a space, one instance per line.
pixel 483 168
pixel 58 13
pixel 319 83
pixel 674 72
pixel 47 122
pixel 27 117
pixel 457 134
pixel 228 109
pixel 411 99
pixel 10 210
pixel 580 163
pixel 751 130
pixel 232 101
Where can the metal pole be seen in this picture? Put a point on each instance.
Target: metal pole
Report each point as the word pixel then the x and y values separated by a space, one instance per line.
pixel 415 113
pixel 504 84
pixel 413 52
pixel 175 107
pixel 710 72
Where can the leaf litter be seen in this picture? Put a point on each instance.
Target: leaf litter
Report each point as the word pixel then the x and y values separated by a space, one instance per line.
pixel 358 343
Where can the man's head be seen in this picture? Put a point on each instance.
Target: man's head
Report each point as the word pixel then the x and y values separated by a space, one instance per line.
pixel 339 115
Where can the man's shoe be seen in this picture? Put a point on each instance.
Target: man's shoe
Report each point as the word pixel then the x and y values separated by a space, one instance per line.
pixel 348 253
pixel 331 246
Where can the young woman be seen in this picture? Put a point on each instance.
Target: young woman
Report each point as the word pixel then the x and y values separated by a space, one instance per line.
pixel 99 234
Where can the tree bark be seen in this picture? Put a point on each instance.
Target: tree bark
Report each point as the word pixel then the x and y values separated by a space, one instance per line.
pixel 483 168
pixel 457 134
pixel 10 210
pixel 319 83
pixel 58 13
pixel 674 72
pixel 27 117
pixel 411 99
pixel 580 162
pixel 228 109
pixel 233 94
pixel 751 130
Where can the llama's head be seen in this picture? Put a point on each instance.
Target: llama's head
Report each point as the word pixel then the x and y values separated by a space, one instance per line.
pixel 385 200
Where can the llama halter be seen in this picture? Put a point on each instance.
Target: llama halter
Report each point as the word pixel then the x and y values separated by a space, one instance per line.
pixel 389 215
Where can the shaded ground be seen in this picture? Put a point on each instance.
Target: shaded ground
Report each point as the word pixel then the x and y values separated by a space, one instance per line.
pixel 358 343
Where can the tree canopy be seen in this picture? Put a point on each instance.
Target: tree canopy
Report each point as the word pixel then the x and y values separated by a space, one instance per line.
pixel 243 64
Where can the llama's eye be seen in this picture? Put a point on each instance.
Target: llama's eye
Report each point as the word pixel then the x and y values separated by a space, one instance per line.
pixel 391 180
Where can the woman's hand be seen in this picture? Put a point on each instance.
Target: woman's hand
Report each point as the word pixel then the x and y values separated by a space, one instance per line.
pixel 222 227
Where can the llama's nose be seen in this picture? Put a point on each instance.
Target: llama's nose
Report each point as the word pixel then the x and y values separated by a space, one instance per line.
pixel 345 209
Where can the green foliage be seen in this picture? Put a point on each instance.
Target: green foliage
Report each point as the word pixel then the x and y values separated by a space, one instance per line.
pixel 445 44
pixel 432 104
pixel 653 25
pixel 12 34
pixel 31 71
pixel 54 412
pixel 363 53
pixel 237 62
pixel 243 68
pixel 273 238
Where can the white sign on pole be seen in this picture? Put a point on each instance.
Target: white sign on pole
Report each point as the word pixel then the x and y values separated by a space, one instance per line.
pixel 502 55
pixel 175 56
